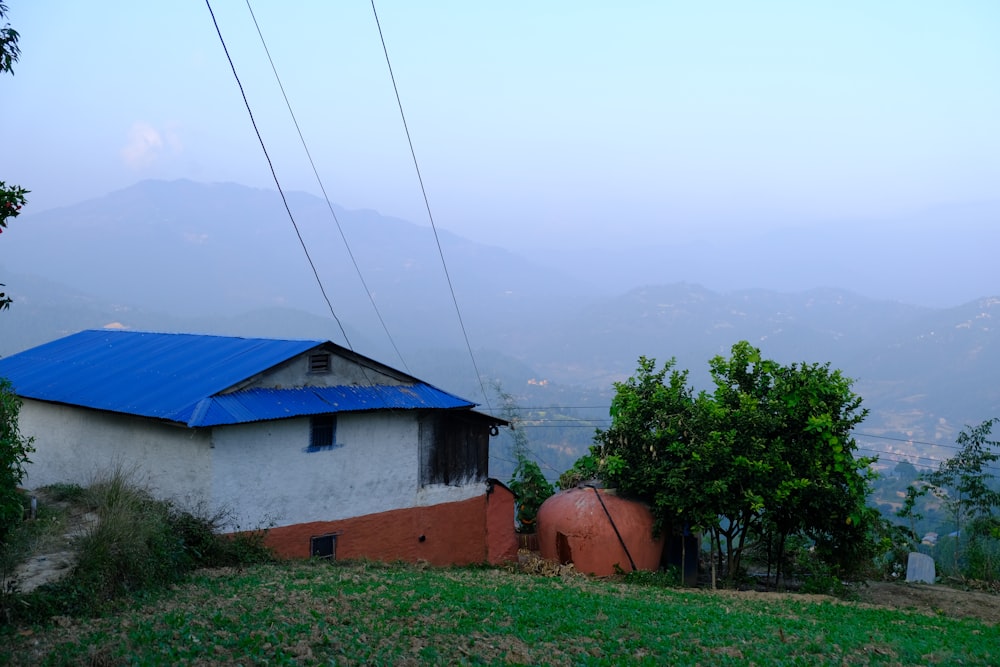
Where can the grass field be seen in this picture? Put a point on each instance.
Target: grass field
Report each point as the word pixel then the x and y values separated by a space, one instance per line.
pixel 309 613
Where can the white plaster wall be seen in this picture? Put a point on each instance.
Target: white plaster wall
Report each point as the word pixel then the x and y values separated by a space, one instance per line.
pixel 73 445
pixel 266 475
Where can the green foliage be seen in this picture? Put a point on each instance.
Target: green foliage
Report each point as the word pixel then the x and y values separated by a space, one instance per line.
pixel 649 450
pixel 9 50
pixel 908 510
pixel 528 483
pixel 531 489
pixel 766 455
pixel 670 577
pixel 586 468
pixel 11 196
pixel 14 451
pixel 892 545
pixel 12 200
pixel 63 492
pixel 965 486
pixel 137 545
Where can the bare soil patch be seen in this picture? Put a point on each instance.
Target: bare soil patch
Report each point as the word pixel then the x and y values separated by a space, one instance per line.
pixel 53 552
pixel 933 599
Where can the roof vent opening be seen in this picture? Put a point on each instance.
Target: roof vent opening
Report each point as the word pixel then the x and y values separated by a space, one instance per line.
pixel 319 362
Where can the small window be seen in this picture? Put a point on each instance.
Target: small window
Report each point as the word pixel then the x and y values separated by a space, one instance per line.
pixel 323 546
pixel 319 363
pixel 322 432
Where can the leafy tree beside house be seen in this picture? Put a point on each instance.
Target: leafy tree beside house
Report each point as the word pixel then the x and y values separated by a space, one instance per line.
pixel 766 455
pixel 14 448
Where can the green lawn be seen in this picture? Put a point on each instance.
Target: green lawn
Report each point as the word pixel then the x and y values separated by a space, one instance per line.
pixel 362 613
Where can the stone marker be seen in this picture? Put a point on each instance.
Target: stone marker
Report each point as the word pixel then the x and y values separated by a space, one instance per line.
pixel 920 568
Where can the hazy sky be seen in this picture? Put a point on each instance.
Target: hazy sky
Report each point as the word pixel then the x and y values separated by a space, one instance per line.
pixel 603 122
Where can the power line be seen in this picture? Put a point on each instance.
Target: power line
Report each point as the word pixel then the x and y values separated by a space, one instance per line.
pixel 274 175
pixel 427 205
pixel 536 423
pixel 326 197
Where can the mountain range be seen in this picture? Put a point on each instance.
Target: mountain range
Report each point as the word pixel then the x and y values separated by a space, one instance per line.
pixel 224 258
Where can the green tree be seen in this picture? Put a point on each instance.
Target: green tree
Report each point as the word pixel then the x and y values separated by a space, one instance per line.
pixel 742 430
pixel 822 486
pixel 767 454
pixel 653 450
pixel 966 489
pixel 14 450
pixel 11 196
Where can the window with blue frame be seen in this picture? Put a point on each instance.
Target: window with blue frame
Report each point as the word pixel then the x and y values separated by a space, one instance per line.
pixel 322 432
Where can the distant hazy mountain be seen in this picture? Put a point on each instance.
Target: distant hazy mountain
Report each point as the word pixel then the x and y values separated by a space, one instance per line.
pixel 192 249
pixel 937 257
pixel 222 258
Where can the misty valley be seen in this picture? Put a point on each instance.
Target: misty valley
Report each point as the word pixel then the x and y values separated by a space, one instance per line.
pixel 190 257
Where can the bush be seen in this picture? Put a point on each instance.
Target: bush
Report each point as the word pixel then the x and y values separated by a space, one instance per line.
pixel 137 545
pixel 669 577
pixel 585 469
pixel 531 489
pixel 816 574
pixel 207 548
pixel 14 450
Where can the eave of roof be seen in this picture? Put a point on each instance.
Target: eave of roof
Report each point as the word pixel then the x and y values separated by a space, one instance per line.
pixel 265 404
pixel 142 373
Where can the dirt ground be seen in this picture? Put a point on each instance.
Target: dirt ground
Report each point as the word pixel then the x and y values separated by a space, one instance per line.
pixel 936 599
pixel 950 600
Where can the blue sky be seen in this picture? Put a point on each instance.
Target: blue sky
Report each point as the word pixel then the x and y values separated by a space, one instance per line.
pixel 534 123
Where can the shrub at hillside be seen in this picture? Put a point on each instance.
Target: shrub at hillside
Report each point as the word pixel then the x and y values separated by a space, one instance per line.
pixel 14 450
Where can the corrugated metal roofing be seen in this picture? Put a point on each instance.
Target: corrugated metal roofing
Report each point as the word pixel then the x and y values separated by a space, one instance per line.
pixel 261 404
pixel 180 377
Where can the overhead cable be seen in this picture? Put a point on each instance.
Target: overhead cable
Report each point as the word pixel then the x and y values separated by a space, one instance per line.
pixel 274 175
pixel 326 197
pixel 427 204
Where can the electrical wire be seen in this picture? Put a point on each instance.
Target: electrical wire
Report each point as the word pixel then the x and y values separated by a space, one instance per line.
pixel 326 197
pixel 582 422
pixel 274 175
pixel 427 205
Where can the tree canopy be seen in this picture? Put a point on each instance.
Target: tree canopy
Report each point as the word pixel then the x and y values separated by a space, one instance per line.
pixel 966 488
pixel 765 455
pixel 11 196
pixel 14 448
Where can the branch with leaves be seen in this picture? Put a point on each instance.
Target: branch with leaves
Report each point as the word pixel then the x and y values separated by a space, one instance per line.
pixel 11 196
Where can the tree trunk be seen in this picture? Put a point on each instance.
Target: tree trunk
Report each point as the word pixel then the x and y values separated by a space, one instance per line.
pixel 684 544
pixel 715 542
pixel 779 570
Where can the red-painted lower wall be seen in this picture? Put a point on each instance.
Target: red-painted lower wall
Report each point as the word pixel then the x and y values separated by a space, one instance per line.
pixel 476 530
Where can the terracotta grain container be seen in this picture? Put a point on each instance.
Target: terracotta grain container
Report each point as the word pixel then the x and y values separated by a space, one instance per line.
pixel 579 525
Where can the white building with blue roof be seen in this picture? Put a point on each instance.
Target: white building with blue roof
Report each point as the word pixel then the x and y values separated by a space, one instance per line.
pixel 338 454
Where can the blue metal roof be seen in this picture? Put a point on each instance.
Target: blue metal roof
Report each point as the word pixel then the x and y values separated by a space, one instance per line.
pixel 260 404
pixel 181 377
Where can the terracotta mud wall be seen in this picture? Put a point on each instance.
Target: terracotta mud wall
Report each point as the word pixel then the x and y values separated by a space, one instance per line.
pixel 476 530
